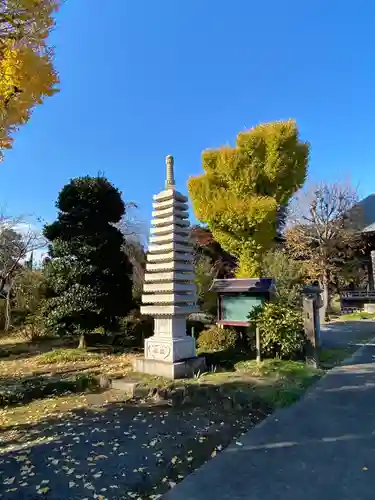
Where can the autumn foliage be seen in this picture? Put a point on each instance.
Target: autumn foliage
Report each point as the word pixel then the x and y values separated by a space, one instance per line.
pixel 27 74
pixel 243 187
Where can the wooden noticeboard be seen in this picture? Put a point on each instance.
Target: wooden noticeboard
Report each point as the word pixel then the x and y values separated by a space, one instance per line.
pixel 236 308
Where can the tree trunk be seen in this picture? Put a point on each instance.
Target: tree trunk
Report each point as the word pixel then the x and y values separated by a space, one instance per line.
pixel 324 311
pixel 8 312
pixel 258 344
pixel 82 341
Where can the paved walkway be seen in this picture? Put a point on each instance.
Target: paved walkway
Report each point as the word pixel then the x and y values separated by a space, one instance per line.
pixel 322 448
pixel 344 333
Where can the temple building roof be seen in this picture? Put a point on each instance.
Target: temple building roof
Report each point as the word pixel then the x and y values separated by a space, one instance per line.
pixel 366 208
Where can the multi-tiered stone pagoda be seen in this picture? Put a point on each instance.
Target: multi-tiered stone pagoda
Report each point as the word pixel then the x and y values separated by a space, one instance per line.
pixel 169 293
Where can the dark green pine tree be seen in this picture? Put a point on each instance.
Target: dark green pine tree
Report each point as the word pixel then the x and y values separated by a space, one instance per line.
pixel 88 273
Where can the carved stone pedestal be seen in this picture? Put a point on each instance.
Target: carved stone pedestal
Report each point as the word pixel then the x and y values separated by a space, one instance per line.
pixel 179 369
pixel 170 356
pixel 169 349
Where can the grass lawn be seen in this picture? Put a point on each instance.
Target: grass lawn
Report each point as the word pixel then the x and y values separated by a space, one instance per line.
pixel 356 316
pixel 26 365
pixel 25 359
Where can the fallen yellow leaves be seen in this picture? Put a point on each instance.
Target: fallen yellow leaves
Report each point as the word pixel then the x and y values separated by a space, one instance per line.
pixel 9 480
pixel 42 488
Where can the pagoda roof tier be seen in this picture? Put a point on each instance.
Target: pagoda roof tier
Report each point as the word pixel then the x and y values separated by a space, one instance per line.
pixel 174 310
pixel 171 219
pixel 168 298
pixel 161 205
pixel 170 256
pixel 171 228
pixel 169 238
pixel 169 211
pixel 168 287
pixel 169 276
pixel 170 246
pixel 170 194
pixel 170 266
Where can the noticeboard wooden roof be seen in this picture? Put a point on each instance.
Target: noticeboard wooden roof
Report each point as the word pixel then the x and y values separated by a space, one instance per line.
pixel 241 285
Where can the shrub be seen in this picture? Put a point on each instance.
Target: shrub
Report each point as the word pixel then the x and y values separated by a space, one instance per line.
pixel 135 327
pixel 33 329
pixel 288 274
pixel 281 329
pixel 198 327
pixel 217 339
pixel 66 356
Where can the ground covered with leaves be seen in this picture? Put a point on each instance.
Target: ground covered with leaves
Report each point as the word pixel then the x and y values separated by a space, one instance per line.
pixel 79 443
pixel 116 450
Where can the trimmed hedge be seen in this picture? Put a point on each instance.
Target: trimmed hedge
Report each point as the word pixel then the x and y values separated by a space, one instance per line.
pixel 217 339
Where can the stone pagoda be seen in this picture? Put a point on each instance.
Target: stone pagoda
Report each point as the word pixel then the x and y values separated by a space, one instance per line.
pixel 169 293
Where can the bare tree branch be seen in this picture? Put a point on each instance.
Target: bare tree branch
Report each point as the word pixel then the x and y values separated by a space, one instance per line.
pixel 324 229
pixel 18 239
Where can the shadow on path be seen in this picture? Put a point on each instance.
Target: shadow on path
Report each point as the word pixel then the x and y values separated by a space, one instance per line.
pixel 321 447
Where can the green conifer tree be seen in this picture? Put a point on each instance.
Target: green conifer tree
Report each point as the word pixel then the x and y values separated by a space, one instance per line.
pixel 88 274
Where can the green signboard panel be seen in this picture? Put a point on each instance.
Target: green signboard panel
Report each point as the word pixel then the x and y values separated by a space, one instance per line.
pixel 238 307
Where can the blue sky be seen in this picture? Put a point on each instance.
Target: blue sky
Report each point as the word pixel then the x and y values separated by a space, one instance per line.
pixel 141 79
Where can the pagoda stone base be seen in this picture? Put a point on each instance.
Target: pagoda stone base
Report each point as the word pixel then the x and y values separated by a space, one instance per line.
pixel 180 369
pixel 171 357
pixel 169 349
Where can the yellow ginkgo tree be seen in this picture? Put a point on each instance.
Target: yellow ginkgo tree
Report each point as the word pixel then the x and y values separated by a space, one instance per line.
pixel 242 189
pixel 27 73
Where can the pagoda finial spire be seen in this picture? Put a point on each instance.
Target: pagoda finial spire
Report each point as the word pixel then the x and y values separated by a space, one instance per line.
pixel 170 183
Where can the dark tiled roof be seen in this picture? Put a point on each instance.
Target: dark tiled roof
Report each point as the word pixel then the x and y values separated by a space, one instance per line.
pixel 366 208
pixel 243 285
pixel 369 229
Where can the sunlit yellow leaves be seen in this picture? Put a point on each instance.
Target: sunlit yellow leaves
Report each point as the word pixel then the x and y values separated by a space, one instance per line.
pixel 99 443
pixel 242 189
pixel 43 491
pixel 42 488
pixel 27 75
pixel 9 480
